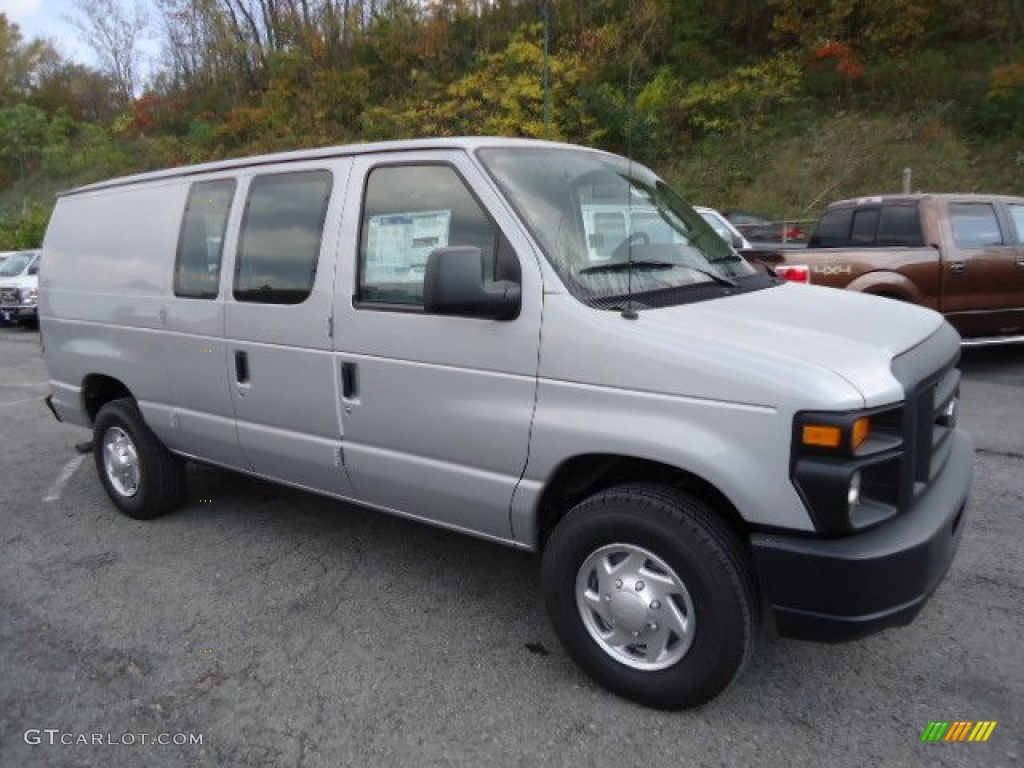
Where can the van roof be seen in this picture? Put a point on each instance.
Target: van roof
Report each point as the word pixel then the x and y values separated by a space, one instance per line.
pixel 468 143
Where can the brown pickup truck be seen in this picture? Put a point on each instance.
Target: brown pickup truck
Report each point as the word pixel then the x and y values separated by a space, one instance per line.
pixel 962 255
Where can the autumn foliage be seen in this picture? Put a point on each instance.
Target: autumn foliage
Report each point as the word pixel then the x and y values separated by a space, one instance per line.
pixel 839 56
pixel 657 78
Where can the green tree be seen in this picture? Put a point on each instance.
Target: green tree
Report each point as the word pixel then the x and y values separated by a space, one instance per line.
pixel 24 133
pixel 22 64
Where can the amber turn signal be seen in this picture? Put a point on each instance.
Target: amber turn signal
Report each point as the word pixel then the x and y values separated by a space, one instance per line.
pixel 822 436
pixel 861 430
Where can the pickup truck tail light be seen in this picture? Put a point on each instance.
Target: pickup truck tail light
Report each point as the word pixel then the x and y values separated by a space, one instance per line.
pixel 794 273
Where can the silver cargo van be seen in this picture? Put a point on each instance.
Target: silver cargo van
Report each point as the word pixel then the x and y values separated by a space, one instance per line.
pixel 538 344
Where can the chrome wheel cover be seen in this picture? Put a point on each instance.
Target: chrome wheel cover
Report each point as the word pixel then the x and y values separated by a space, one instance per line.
pixel 121 462
pixel 635 607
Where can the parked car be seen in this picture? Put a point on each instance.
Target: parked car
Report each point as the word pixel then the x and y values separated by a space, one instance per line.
pixel 19 288
pixel 446 330
pixel 724 228
pixel 759 229
pixel 962 255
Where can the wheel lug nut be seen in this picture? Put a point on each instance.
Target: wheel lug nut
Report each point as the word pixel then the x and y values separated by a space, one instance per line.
pixel 653 627
pixel 638 586
pixel 636 634
pixel 607 598
pixel 618 583
pixel 655 605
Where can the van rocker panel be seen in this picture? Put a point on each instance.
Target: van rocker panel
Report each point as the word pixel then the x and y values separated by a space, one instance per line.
pixel 834 590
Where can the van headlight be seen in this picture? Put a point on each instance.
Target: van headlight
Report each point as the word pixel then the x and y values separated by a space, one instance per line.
pixel 846 466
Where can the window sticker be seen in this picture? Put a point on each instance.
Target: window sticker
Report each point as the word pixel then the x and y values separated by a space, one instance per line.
pixel 398 244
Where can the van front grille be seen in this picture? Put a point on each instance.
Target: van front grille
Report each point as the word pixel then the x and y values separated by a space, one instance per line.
pixel 931 383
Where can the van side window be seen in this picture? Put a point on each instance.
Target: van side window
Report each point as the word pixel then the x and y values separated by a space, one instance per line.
pixel 975 225
pixel 410 211
pixel 201 239
pixel 833 231
pixel 280 239
pixel 900 225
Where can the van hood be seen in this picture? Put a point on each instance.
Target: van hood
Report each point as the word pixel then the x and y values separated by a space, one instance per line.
pixel 851 334
pixel 785 347
pixel 19 281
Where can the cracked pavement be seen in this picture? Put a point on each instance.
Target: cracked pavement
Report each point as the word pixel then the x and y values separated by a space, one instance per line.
pixel 289 629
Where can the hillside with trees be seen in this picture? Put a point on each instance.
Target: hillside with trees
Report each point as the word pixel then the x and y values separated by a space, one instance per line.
pixel 776 105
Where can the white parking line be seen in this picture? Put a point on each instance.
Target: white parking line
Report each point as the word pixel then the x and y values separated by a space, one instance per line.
pixel 20 402
pixel 65 474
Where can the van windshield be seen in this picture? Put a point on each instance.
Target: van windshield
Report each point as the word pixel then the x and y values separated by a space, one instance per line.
pixel 16 264
pixel 612 228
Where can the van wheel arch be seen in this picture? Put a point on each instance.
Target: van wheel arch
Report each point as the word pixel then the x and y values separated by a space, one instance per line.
pixel 99 389
pixel 583 476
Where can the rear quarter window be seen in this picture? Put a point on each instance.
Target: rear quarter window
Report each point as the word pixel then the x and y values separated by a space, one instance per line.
pixel 201 240
pixel 833 230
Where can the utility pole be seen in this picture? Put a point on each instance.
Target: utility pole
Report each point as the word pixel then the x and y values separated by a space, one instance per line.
pixel 547 70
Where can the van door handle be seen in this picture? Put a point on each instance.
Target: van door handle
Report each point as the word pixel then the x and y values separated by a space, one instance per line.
pixel 349 381
pixel 241 366
pixel 958 267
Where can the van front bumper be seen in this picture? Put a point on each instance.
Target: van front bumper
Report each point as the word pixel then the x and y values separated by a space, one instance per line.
pixel 18 311
pixel 834 590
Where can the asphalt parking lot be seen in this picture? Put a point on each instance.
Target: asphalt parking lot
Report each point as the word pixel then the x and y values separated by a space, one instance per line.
pixel 283 629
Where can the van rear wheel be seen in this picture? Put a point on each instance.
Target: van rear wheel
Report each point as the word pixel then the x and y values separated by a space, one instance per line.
pixel 652 595
pixel 139 474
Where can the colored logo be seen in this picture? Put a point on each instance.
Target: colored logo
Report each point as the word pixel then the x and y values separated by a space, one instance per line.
pixel 959 730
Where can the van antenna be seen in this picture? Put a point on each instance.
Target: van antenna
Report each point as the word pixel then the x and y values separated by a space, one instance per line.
pixel 629 313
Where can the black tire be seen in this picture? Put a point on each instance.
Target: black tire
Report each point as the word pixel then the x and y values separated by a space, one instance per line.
pixel 707 556
pixel 161 474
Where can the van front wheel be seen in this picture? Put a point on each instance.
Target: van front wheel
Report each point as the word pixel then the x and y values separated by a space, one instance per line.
pixel 139 474
pixel 652 595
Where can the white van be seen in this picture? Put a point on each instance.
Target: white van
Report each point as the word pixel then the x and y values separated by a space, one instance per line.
pixel 430 329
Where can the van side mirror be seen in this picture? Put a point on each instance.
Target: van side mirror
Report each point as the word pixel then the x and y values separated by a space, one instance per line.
pixel 454 284
pixel 737 241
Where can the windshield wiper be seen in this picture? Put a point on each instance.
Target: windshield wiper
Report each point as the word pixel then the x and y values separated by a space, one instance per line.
pixel 722 279
pixel 622 266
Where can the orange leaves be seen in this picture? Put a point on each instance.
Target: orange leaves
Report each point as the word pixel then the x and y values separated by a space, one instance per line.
pixel 144 112
pixel 841 56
